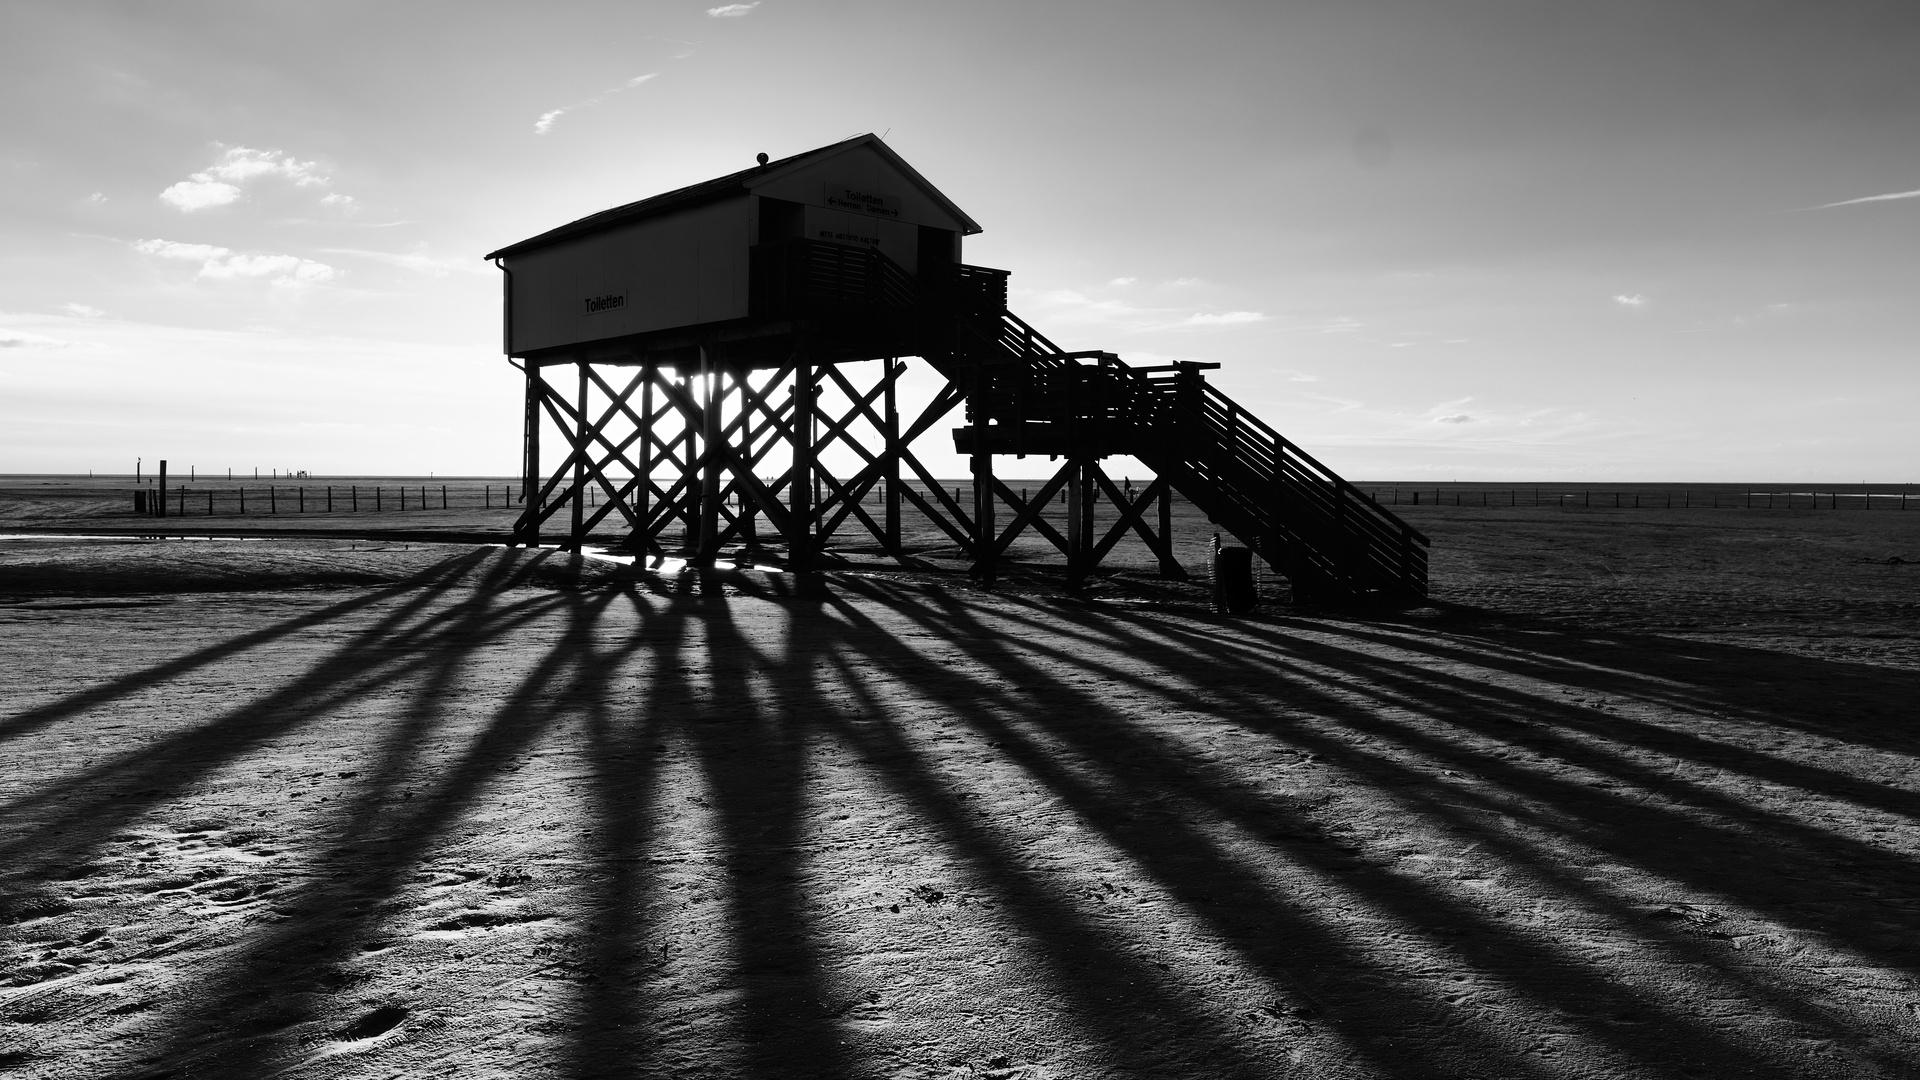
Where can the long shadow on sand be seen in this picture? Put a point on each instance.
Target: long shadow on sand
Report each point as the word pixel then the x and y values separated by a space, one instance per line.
pixel 1570 764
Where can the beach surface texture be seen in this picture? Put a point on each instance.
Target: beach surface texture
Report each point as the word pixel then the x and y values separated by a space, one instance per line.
pixel 1633 796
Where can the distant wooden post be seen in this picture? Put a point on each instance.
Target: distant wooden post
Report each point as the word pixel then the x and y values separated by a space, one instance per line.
pixel 301 494
pixel 160 504
pixel 443 496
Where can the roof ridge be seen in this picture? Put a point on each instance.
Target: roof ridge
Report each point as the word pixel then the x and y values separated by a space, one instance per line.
pixel 691 195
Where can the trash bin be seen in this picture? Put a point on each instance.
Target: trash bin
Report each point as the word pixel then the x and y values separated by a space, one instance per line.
pixel 1234 591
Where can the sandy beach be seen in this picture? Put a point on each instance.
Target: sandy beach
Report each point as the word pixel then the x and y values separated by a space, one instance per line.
pixel 1633 796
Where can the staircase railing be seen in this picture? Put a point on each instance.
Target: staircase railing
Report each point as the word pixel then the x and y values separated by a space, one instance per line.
pixel 1324 533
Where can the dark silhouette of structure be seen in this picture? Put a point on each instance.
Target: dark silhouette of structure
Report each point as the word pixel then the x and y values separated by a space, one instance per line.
pixel 699 349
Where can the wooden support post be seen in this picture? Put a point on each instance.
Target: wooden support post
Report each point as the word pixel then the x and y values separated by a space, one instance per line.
pixel 642 538
pixel 1089 501
pixel 1076 528
pixel 710 459
pixel 891 474
pixel 1169 566
pixel 529 532
pixel 689 470
pixel 800 489
pixel 749 534
pixel 985 561
pixel 574 533
pixel 160 503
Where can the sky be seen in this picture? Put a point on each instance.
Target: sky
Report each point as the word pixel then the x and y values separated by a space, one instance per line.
pixel 1429 240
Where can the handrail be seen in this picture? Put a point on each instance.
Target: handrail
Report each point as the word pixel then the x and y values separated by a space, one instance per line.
pixel 1332 524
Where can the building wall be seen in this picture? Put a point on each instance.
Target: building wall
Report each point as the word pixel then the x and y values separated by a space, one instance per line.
pixel 680 270
pixel 690 267
pixel 863 185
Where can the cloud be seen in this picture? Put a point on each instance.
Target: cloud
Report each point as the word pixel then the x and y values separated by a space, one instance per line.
pixel 221 183
pixel 1633 301
pixel 1120 281
pixel 283 269
pixel 732 11
pixel 421 264
pixel 1891 197
pixel 170 249
pixel 96 198
pixel 223 264
pixel 546 121
pixel 191 195
pixel 1225 318
pixel 82 310
pixel 344 202
pixel 20 339
pixel 1339 324
pixel 1456 418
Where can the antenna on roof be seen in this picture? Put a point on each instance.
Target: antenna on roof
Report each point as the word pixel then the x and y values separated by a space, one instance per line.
pixel 762 159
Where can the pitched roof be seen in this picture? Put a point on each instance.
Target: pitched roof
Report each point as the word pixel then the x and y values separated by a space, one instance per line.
pixel 719 188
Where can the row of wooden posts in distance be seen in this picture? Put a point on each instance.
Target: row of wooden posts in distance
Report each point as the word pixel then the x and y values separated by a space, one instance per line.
pixel 351 498
pixel 154 502
pixel 1645 500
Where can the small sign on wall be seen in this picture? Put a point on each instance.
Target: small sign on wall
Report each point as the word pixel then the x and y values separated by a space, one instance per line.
pixel 594 305
pixel 861 202
pixel 847 237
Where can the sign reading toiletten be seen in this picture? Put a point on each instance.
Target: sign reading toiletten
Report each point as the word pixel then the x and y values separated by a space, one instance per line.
pixel 861 202
pixel 594 305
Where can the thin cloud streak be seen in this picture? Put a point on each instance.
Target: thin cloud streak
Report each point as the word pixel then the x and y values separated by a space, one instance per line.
pixel 548 118
pixel 20 339
pixel 1891 197
pixel 421 264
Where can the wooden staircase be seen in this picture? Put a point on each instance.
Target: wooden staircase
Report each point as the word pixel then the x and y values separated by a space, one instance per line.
pixel 1026 395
